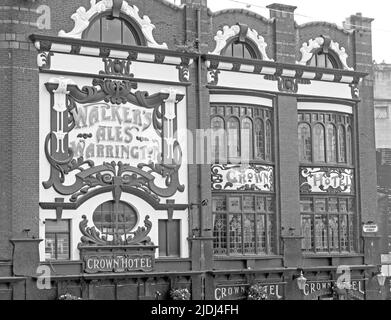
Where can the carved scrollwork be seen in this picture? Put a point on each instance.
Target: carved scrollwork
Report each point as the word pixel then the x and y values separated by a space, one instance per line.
pixel 90 236
pixel 117 67
pixel 114 176
pixel 83 18
pixel 224 36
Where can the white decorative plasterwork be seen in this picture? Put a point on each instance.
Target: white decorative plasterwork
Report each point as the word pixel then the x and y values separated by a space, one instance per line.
pixel 83 18
pixel 343 56
pixel 59 106
pixel 223 36
pixel 313 44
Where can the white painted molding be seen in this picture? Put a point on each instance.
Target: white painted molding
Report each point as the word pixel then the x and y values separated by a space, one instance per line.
pixel 343 56
pixel 313 44
pixel 260 42
pixel 83 17
pixel 306 49
pixel 222 37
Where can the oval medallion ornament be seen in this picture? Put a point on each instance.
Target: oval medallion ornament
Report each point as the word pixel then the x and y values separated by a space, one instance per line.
pixel 112 218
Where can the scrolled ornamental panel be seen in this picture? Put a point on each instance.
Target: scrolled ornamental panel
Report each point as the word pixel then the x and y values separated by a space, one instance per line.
pixel 326 180
pixel 113 176
pixel 242 178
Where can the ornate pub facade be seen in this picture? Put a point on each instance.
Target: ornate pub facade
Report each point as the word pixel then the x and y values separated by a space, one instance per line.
pixel 110 191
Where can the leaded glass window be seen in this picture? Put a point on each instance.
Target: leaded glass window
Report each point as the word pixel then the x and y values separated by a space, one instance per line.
pixel 331 135
pixel 249 220
pixel 327 224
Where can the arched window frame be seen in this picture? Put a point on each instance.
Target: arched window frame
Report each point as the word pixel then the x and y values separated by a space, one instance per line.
pixel 219 157
pixel 302 144
pixel 330 54
pixel 238 139
pixel 315 142
pixel 128 22
pixel 247 43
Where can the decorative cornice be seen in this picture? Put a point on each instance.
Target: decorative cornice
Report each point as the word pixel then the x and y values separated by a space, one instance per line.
pixel 222 38
pixel 274 70
pixel 83 18
pixel 307 51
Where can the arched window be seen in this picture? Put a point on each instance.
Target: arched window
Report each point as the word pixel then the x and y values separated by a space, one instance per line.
pixel 341 144
pixel 259 139
pixel 323 60
pixel 268 141
pixel 238 49
pixel 319 154
pixel 247 139
pixel 233 138
pixel 331 144
pixel 105 28
pixel 349 146
pixel 305 142
pixel 218 143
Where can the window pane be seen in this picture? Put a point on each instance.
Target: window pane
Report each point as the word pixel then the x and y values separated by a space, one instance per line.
pixel 173 233
pixel 305 143
pixel 238 50
pixel 260 139
pixel 333 233
pixel 249 233
pixel 219 204
pixel 247 139
pixel 111 30
pixel 52 226
pixel 331 144
pixel 333 205
pixel 261 204
pixel 351 233
pixel 344 233
pixel 246 53
pixel 218 139
pixel 234 204
pixel 261 234
pixel 307 230
pixel 349 146
pixel 319 143
pixel 94 31
pixel 128 37
pixel 249 204
pixel 306 205
pixel 220 234
pixel 270 230
pixel 341 144
pixel 163 238
pixel 233 138
pixel 63 247
pixel 228 51
pixel 268 141
pixel 50 246
pixel 321 61
pixel 235 233
pixel 321 234
pixel 320 205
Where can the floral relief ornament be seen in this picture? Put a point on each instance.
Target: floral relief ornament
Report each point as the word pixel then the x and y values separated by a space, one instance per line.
pixel 222 38
pixel 307 51
pixel 83 18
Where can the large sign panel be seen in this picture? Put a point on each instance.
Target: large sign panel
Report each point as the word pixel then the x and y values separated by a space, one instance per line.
pixel 242 178
pixel 107 132
pixel 326 180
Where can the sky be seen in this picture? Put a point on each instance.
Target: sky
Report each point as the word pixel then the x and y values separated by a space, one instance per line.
pixel 335 11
